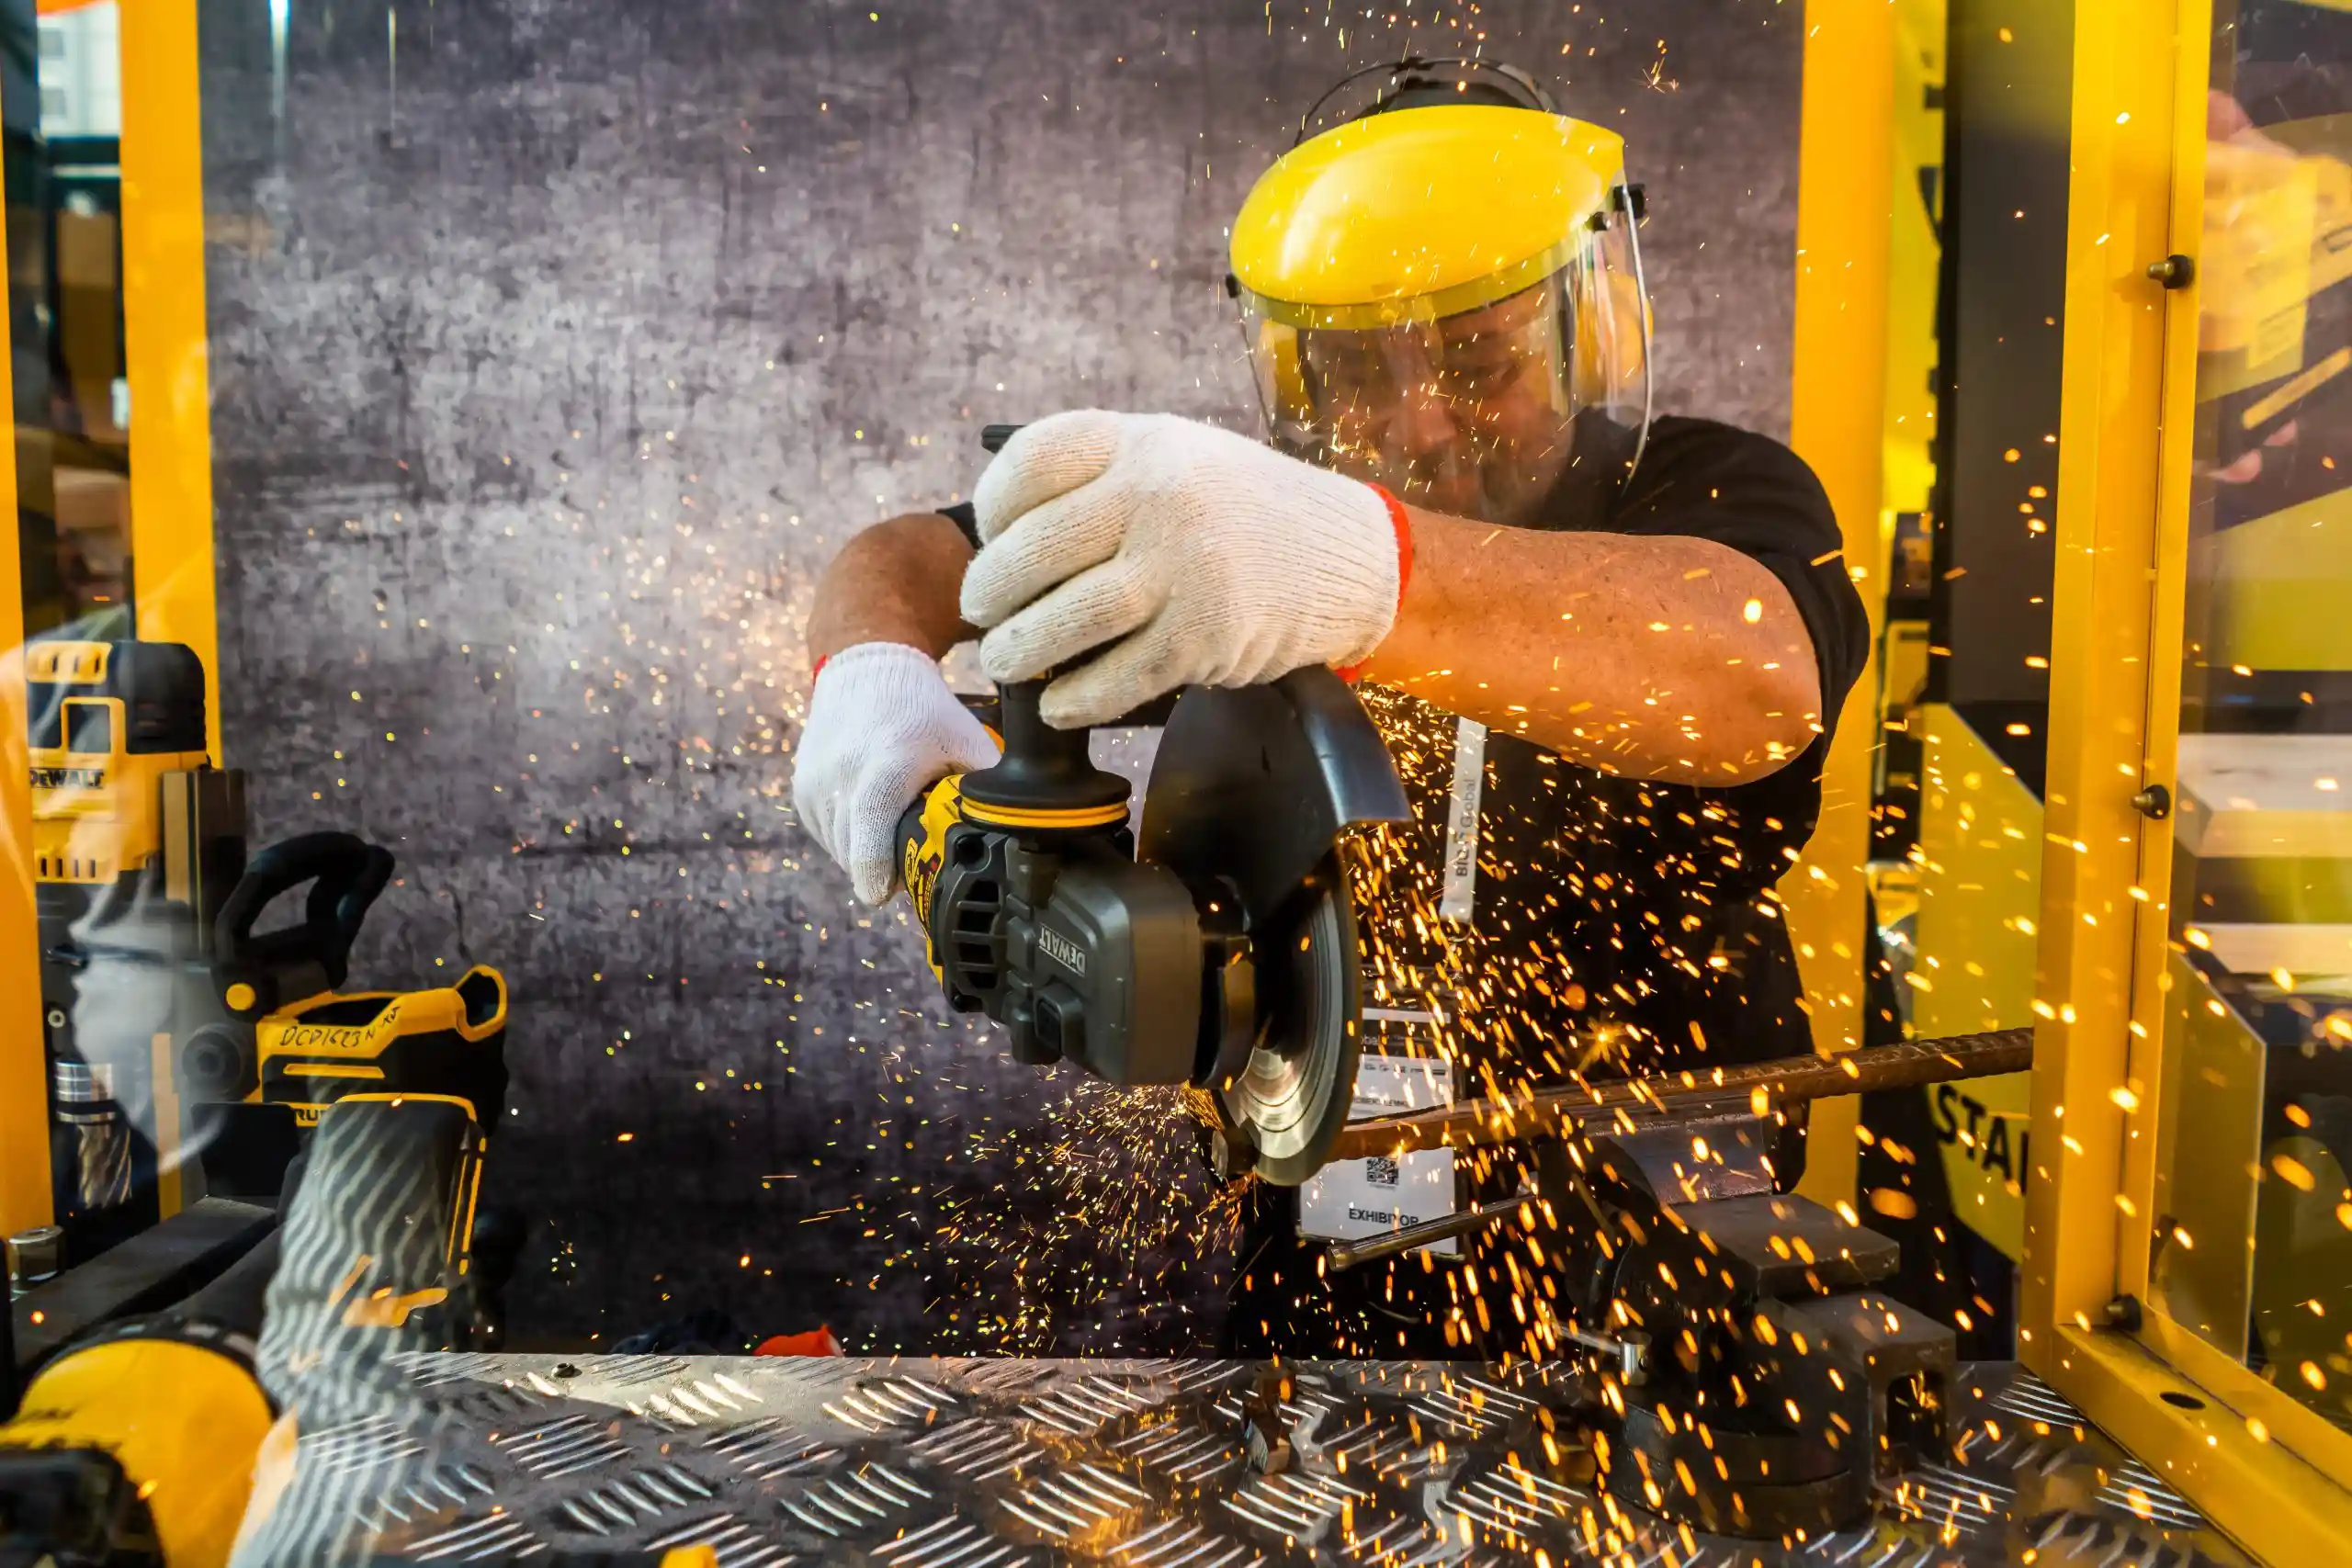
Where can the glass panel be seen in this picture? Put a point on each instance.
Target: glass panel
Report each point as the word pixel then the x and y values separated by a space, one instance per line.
pixel 2252 1244
pixel 107 744
pixel 64 232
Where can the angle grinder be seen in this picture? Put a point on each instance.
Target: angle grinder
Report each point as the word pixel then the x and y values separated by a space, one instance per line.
pixel 1216 948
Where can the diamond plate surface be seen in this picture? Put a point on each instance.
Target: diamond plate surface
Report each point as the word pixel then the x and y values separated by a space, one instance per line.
pixel 1143 1464
pixel 767 1448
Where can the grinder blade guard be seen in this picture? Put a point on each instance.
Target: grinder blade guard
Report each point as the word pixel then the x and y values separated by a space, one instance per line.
pixel 1252 790
pixel 1221 954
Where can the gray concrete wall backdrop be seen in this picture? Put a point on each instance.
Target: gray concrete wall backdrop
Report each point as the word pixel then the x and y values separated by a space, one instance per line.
pixel 554 348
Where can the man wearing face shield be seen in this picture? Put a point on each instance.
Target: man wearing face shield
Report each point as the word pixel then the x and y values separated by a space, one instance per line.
pixel 1607 649
pixel 1473 409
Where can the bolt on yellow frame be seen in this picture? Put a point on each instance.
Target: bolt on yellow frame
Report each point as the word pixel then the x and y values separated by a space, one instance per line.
pixel 2267 1471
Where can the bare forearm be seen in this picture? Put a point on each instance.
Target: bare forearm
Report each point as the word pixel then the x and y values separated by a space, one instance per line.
pixel 898 581
pixel 1665 658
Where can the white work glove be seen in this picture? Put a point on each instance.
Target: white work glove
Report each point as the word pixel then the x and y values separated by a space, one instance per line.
pixel 1199 556
pixel 883 726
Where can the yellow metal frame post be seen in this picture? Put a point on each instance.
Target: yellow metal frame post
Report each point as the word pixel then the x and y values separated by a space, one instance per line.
pixel 164 339
pixel 1838 424
pixel 2125 431
pixel 24 1066
pixel 2118 221
pixel 2175 439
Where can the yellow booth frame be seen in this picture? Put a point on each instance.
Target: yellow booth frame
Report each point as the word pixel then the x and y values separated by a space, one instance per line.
pixel 171 528
pixel 2266 1469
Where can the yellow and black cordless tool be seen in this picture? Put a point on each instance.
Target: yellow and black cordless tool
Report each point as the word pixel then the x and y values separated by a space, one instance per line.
pixel 287 1044
pixel 1216 948
pixel 312 1045
pixel 137 839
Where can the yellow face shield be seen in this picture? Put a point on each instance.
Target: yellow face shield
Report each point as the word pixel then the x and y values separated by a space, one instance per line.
pixel 1448 302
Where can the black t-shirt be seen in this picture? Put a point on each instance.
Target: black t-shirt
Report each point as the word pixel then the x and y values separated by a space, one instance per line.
pixel 1618 923
pixel 1624 924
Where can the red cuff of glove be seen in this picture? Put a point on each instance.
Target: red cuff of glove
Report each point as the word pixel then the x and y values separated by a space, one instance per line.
pixel 1402 522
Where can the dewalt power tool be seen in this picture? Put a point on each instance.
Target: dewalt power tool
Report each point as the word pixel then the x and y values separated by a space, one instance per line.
pixel 289 1044
pixel 137 841
pixel 292 1039
pixel 135 1446
pixel 1218 950
pixel 176 1032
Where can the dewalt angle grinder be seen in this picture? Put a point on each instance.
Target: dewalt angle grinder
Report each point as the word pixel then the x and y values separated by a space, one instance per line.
pixel 1217 948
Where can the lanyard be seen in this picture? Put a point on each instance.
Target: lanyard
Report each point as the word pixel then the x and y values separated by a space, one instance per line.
pixel 1460 897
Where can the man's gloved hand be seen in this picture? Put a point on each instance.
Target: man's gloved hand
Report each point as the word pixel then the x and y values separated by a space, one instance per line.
pixel 1200 556
pixel 883 725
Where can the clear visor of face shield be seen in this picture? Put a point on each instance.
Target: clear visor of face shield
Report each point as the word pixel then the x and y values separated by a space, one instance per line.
pixel 1480 412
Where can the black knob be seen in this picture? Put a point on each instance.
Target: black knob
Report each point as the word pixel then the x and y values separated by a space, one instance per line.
pixel 1043 773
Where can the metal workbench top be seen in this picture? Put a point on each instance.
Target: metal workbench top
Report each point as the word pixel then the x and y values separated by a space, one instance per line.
pixel 1135 1464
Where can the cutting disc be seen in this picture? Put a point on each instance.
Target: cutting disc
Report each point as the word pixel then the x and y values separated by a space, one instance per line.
pixel 1292 1097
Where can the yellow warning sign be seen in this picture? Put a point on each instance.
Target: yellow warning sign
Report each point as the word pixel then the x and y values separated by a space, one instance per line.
pixel 1980 889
